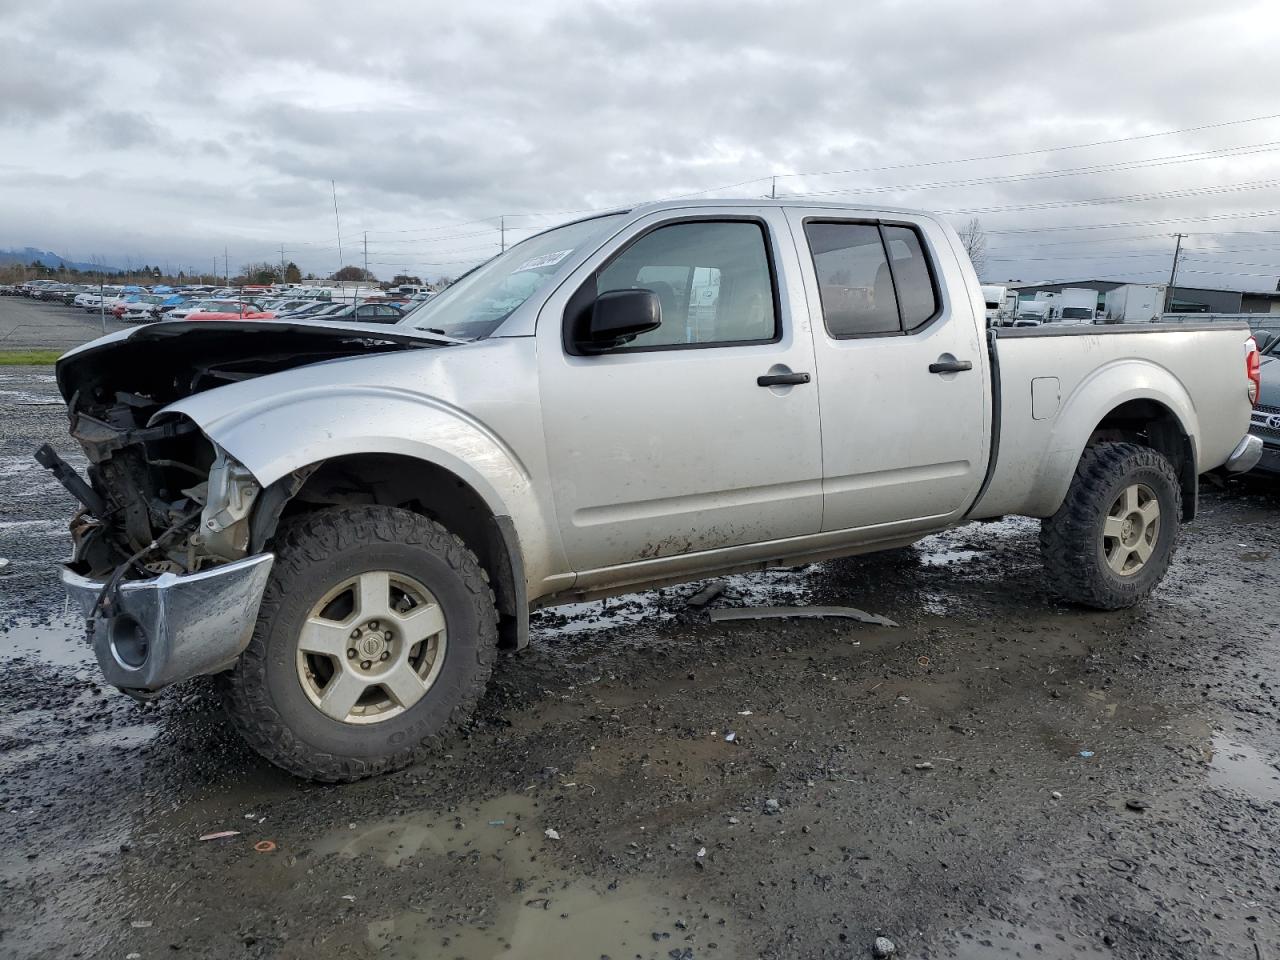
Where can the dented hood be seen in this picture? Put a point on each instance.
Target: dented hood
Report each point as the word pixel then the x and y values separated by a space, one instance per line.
pixel 172 359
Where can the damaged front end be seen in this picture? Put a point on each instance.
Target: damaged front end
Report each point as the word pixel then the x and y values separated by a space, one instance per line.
pixel 167 567
pixel 160 567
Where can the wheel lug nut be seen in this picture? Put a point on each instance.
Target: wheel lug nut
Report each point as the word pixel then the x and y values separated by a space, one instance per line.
pixel 351 653
pixel 366 664
pixel 384 656
pixel 355 634
pixel 387 636
pixel 373 624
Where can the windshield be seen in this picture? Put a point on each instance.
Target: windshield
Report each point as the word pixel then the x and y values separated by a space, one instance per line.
pixel 476 305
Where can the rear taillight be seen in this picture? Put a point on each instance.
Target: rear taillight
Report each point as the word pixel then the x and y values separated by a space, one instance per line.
pixel 1253 369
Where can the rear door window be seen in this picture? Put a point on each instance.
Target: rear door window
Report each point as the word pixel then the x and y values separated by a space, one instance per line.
pixel 854 279
pixel 913 282
pixel 873 278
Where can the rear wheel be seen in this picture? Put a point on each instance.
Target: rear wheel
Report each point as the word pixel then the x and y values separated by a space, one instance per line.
pixel 376 636
pixel 1112 539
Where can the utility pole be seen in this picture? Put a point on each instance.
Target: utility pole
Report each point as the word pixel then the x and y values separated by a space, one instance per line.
pixel 502 228
pixel 282 263
pixel 337 224
pixel 366 256
pixel 226 267
pixel 1173 274
pixel 773 188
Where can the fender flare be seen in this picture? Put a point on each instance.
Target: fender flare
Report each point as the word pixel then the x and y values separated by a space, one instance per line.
pixel 1091 401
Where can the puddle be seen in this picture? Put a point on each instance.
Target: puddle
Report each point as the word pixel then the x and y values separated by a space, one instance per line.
pixel 1239 767
pixel 27 378
pixel 117 740
pixel 540 910
pixel 942 558
pixel 782 586
pixel 61 642
pixel 20 398
pixel 33 526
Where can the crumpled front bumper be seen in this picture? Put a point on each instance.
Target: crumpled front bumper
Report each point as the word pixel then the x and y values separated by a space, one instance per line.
pixel 173 626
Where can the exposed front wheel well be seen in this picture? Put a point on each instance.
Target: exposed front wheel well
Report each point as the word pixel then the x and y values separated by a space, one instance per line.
pixel 1149 423
pixel 425 488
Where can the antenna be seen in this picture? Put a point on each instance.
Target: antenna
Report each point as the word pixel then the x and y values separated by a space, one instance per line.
pixel 336 222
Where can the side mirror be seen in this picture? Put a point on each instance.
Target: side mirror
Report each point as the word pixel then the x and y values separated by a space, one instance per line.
pixel 619 315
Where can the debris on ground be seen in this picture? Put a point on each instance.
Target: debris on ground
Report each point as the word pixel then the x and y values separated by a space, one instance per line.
pixel 140 924
pixel 730 737
pixel 1086 754
pixel 705 595
pixel 883 947
pixel 1057 794
pixel 772 806
pixel 265 846
pixel 221 834
pixel 924 765
pixel 783 613
pixel 550 834
pixel 4 566
pixel 1136 805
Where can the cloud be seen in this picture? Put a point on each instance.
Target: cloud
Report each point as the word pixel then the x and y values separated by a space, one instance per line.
pixel 122 129
pixel 228 129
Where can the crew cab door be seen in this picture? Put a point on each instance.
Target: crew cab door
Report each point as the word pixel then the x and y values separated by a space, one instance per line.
pixel 668 445
pixel 901 367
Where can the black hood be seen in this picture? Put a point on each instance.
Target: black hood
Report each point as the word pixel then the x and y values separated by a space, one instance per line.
pixel 172 359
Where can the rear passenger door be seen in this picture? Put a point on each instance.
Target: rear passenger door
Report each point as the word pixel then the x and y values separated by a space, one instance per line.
pixel 904 422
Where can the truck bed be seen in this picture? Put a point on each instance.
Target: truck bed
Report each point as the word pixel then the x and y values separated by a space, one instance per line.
pixel 1055 386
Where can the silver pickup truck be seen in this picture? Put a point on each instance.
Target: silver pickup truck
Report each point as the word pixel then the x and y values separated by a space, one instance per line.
pixel 345 522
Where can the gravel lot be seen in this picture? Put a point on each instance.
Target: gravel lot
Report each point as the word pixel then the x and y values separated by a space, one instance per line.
pixel 32 325
pixel 1000 776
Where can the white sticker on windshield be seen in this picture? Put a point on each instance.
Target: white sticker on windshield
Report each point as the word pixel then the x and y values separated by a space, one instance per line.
pixel 546 260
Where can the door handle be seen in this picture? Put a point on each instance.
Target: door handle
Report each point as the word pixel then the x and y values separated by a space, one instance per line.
pixel 781 379
pixel 950 366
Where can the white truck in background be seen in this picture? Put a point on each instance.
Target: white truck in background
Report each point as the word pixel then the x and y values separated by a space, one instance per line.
pixel 1001 304
pixel 1135 303
pixel 1074 305
pixel 1032 313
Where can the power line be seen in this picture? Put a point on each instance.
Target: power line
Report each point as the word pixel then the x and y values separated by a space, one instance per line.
pixel 1143 223
pixel 1027 153
pixel 1204 191
pixel 1119 166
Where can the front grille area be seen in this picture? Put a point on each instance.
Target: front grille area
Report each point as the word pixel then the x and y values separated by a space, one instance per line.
pixel 1265 423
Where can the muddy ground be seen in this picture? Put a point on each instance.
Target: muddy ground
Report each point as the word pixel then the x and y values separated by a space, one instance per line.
pixel 999 776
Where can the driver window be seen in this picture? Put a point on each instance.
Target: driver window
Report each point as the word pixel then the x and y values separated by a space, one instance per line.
pixel 712 279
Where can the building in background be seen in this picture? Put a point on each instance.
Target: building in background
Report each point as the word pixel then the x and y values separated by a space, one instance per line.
pixel 1185 299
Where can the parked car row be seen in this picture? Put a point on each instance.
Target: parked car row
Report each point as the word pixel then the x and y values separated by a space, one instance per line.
pixel 137 304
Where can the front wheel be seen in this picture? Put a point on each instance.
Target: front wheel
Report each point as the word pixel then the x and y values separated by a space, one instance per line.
pixel 376 635
pixel 1112 539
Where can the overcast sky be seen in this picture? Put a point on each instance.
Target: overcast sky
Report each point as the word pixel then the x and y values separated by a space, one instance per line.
pixel 165 131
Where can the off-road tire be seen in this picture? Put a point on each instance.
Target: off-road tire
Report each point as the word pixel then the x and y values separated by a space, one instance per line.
pixel 1071 541
pixel 263 695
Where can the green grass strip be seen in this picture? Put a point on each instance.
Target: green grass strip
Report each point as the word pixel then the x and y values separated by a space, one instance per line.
pixel 29 358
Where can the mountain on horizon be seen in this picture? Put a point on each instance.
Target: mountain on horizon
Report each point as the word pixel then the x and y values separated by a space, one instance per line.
pixel 51 259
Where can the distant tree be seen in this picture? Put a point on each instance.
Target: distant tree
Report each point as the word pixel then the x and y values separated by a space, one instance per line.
pixel 260 272
pixel 974 239
pixel 351 273
pixel 402 279
pixel 291 273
